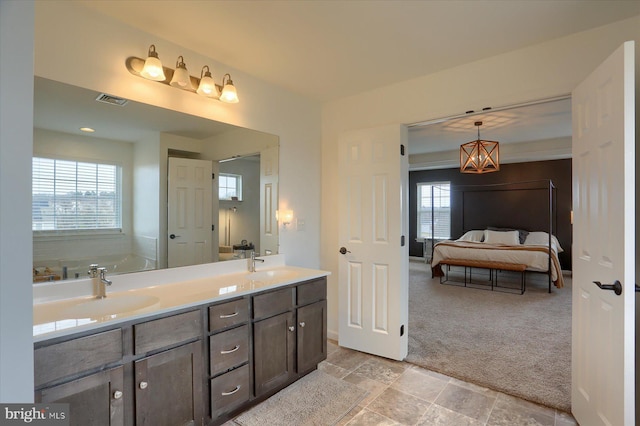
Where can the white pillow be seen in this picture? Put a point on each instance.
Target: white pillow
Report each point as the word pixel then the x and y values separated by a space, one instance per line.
pixel 510 238
pixel 473 236
pixel 542 239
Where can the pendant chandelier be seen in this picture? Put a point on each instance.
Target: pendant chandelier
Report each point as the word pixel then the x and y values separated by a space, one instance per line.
pixel 479 156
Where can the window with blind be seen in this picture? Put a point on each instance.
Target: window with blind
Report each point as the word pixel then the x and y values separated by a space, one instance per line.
pixel 230 186
pixel 75 196
pixel 434 210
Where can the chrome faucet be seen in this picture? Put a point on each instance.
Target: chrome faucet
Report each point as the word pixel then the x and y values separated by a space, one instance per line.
pixel 253 260
pixel 100 281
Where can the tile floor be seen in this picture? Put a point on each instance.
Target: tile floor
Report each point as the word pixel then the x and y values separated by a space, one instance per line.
pixel 404 394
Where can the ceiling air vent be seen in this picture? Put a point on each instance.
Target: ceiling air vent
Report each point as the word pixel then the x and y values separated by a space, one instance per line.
pixel 108 99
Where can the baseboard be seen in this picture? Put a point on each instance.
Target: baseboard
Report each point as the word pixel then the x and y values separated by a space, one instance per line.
pixel 332 334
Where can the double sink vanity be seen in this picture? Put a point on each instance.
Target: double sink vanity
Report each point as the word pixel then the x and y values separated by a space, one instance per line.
pixel 186 346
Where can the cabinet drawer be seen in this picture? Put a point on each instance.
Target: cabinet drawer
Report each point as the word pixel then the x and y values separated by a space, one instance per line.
pixel 229 391
pixel 77 355
pixel 273 302
pixel 312 291
pixel 168 331
pixel 228 349
pixel 227 314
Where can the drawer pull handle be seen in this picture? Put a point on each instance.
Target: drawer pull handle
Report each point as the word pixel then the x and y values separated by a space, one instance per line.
pixel 291 328
pixel 231 392
pixel 143 385
pixel 229 315
pixel 230 350
pixel 302 324
pixel 117 395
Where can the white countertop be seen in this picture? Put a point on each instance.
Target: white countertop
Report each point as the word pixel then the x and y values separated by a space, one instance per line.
pixel 67 307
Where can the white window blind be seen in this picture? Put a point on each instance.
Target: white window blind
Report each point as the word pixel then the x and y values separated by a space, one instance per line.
pixel 72 195
pixel 230 186
pixel 434 210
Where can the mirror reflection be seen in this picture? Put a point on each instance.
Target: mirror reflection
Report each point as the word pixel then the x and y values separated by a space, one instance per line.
pixel 134 187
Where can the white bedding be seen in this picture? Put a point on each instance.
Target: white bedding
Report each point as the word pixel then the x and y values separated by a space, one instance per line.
pixel 534 256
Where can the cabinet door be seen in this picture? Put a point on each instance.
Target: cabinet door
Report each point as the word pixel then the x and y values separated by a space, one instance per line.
pixel 93 400
pixel 274 352
pixel 312 335
pixel 169 387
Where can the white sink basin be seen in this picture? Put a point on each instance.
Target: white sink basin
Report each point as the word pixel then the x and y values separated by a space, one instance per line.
pixel 272 275
pixel 111 305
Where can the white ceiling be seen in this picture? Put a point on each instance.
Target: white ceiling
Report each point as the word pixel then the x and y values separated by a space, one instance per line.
pixel 64 108
pixel 536 122
pixel 327 50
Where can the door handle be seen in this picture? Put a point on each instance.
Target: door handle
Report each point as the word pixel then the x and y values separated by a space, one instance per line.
pixel 343 250
pixel 616 286
pixel 174 236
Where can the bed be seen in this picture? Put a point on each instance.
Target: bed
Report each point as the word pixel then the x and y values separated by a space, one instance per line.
pixel 537 251
pixel 511 224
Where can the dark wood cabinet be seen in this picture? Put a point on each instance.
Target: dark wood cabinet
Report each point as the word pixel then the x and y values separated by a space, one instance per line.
pixel 312 335
pixel 293 341
pixel 274 342
pixel 168 387
pixel 229 357
pixel 198 366
pixel 96 399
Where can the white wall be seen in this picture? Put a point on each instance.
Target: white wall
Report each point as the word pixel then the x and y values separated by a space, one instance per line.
pixel 539 72
pixel 16 145
pixel 146 193
pixel 83 48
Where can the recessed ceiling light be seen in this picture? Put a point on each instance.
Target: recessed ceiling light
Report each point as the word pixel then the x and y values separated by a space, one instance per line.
pixel 87 129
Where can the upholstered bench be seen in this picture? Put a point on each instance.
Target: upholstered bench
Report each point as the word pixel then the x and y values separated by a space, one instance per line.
pixel 492 266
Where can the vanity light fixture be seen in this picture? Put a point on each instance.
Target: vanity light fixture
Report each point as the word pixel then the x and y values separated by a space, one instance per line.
pixel 479 156
pixel 284 216
pixel 181 78
pixel 207 86
pixel 229 93
pixel 87 129
pixel 152 69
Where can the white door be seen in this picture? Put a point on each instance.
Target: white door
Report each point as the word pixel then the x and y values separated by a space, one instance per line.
pixel 603 371
pixel 269 171
pixel 189 202
pixel 215 212
pixel 374 256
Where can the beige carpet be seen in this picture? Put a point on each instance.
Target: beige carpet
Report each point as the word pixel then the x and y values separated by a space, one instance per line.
pixel 316 399
pixel 517 344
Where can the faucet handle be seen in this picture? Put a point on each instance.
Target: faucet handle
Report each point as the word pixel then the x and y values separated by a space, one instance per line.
pixel 93 270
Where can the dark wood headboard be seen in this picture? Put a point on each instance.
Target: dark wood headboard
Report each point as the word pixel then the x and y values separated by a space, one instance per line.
pixel 521 205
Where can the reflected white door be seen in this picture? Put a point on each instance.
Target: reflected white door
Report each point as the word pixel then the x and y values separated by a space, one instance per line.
pixel 374 259
pixel 269 172
pixel 215 212
pixel 603 343
pixel 189 202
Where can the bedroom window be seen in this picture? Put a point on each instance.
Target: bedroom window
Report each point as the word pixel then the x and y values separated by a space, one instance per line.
pixel 434 210
pixel 72 196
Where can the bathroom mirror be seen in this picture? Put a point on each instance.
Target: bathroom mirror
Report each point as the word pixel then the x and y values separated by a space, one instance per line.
pixel 102 196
